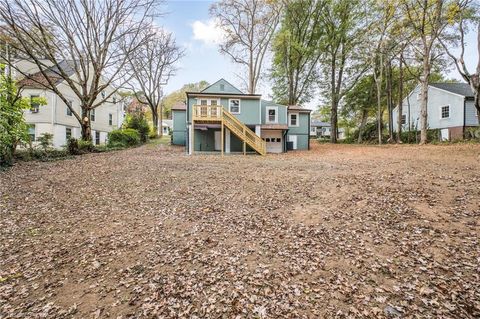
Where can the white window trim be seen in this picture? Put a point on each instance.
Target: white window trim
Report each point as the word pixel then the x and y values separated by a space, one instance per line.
pixel 401 119
pixel 290 119
pixel 209 101
pixel 449 110
pixel 239 106
pixel 267 117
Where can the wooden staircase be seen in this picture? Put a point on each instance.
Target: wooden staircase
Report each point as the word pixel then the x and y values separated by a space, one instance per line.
pixel 217 114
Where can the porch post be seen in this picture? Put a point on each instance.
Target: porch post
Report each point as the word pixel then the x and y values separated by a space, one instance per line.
pixel 222 139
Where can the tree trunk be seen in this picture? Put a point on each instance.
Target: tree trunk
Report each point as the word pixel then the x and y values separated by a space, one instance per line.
pixel 400 101
pixel 362 125
pixel 379 110
pixel 161 120
pixel 424 97
pixel 334 106
pixel 390 102
pixel 86 125
pixel 155 122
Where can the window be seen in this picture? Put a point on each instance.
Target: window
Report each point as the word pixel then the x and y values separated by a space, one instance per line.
pixel 69 111
pixel 445 112
pixel 97 137
pixel 31 132
pixel 404 119
pixel 68 133
pixel 279 139
pixel 267 140
pixel 313 129
pixel 92 115
pixel 203 102
pixel 34 105
pixel 293 119
pixel 213 102
pixel 234 106
pixel 222 87
pixel 272 115
pixel 114 100
pixel 110 119
pixel 103 94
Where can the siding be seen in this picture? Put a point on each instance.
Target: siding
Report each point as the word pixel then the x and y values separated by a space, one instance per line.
pixel 179 128
pixel 436 99
pixel 282 112
pixel 301 131
pixel 471 118
pixel 217 88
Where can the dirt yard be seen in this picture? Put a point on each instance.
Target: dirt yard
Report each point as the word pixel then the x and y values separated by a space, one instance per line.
pixel 340 231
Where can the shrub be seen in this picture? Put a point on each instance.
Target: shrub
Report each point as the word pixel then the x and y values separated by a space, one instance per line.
pixel 123 138
pixel 139 123
pixel 85 146
pixel 72 146
pixel 472 133
pixel 45 140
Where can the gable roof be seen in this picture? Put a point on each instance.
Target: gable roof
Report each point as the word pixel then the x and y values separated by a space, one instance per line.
pixel 179 106
pixel 220 87
pixel 38 80
pixel 319 123
pixel 298 108
pixel 456 88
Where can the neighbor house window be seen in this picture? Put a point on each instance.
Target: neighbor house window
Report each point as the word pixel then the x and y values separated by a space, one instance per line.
pixel 34 105
pixel 404 119
pixel 234 106
pixel 293 120
pixel 69 111
pixel 97 137
pixel 313 129
pixel 68 133
pixel 445 112
pixel 31 132
pixel 272 115
pixel 110 119
pixel 92 115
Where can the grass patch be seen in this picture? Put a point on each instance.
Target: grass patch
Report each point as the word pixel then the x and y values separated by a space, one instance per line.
pixel 164 140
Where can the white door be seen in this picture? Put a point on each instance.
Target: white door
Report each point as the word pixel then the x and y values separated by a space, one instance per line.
pixel 444 134
pixel 293 138
pixel 273 140
pixel 218 140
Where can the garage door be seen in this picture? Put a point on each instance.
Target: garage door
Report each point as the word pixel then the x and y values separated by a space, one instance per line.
pixel 273 140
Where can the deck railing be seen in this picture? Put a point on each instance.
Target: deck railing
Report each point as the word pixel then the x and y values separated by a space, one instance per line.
pixel 218 113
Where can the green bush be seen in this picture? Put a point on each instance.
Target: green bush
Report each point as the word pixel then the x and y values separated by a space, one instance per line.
pixel 72 146
pixel 78 147
pixel 123 138
pixel 85 146
pixel 45 140
pixel 139 123
pixel 40 154
pixel 472 133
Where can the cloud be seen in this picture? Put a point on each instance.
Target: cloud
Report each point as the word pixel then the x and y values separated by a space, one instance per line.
pixel 208 32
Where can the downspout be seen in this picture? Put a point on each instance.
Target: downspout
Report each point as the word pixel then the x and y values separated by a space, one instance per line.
pixel 308 132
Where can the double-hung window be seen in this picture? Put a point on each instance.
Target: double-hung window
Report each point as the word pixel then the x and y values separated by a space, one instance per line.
pixel 92 115
pixel 272 115
pixel 97 137
pixel 69 110
pixel 234 106
pixel 293 117
pixel 445 112
pixel 31 132
pixel 404 119
pixel 68 133
pixel 110 119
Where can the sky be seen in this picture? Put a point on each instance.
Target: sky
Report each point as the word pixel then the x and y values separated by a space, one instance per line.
pixel 196 33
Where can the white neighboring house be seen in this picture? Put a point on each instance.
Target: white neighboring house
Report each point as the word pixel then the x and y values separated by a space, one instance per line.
pixel 167 126
pixel 450 108
pixel 55 117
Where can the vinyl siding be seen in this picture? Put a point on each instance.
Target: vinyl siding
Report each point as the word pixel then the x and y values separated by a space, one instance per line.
pixel 217 88
pixel 282 112
pixel 471 118
pixel 301 131
pixel 179 127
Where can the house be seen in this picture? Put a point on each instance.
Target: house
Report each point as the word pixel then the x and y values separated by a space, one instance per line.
pixel 167 126
pixel 56 118
pixel 319 129
pixel 450 109
pixel 221 118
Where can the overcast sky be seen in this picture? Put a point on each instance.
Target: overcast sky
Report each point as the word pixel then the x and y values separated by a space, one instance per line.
pixel 195 31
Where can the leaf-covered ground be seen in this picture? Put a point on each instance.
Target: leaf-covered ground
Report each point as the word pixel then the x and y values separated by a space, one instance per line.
pixel 340 231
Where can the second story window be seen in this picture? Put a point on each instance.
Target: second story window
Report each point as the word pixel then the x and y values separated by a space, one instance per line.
pixel 110 119
pixel 92 115
pixel 69 111
pixel 213 102
pixel 234 106
pixel 114 100
pixel 272 116
pixel 445 112
pixel 103 94
pixel 293 120
pixel 203 102
pixel 34 104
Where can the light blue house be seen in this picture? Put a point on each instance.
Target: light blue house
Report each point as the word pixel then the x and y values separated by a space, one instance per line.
pixel 221 118
pixel 450 109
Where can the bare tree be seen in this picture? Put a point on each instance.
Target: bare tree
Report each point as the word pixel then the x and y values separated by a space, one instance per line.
pixel 152 66
pixel 473 79
pixel 426 22
pixel 249 26
pixel 80 41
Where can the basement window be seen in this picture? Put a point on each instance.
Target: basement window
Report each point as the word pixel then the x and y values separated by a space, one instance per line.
pixel 445 112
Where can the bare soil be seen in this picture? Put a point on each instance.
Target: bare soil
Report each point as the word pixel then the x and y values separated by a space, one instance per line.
pixel 339 231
